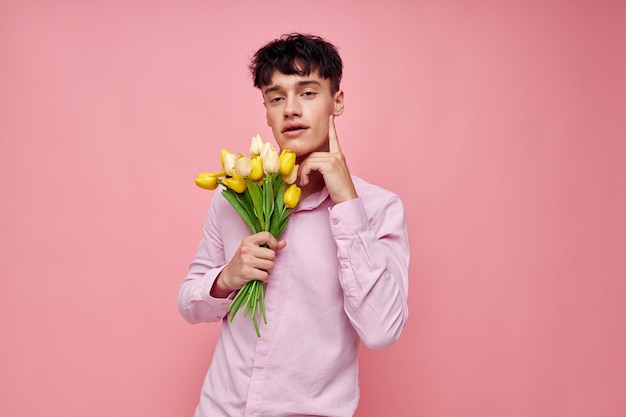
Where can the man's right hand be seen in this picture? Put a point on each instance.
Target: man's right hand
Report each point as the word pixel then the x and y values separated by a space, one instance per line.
pixel 251 261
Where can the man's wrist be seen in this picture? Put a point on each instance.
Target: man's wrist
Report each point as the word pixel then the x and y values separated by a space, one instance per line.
pixel 219 290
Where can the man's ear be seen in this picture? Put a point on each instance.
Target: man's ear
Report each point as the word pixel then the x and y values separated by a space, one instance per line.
pixel 338 110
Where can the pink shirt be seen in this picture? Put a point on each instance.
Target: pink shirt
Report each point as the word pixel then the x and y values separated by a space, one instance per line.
pixel 342 278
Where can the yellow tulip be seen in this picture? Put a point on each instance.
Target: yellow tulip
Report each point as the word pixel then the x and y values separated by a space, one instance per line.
pixel 223 152
pixel 269 155
pixel 257 168
pixel 207 181
pixel 256 146
pixel 292 196
pixel 293 175
pixel 243 167
pixel 237 184
pixel 228 161
pixel 287 161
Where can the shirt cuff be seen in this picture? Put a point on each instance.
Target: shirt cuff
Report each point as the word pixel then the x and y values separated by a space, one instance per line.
pixel 206 291
pixel 348 218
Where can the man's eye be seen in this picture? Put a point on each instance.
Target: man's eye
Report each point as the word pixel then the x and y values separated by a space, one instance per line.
pixel 275 99
pixel 308 93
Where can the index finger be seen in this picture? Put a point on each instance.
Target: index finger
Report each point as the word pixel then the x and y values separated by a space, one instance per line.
pixel 333 140
pixel 263 239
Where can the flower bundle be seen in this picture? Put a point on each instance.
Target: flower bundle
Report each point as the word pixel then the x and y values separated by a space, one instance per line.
pixel 262 189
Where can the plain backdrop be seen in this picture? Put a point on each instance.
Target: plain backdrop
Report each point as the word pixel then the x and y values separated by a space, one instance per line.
pixel 500 124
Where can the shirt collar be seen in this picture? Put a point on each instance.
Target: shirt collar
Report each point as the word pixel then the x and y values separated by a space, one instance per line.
pixel 314 200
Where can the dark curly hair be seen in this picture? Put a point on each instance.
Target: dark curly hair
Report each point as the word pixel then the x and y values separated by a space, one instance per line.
pixel 299 54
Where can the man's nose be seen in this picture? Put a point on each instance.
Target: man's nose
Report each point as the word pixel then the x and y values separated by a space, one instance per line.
pixel 292 107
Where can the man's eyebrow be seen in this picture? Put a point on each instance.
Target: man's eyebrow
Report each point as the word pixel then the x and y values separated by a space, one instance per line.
pixel 302 83
pixel 272 89
pixel 308 82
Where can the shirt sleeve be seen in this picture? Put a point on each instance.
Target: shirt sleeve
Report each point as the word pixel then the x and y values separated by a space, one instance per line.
pixel 194 300
pixel 373 255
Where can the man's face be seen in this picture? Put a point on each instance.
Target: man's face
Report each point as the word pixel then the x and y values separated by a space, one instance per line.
pixel 298 108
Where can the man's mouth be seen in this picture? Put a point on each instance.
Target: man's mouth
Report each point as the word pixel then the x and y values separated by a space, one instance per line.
pixel 293 128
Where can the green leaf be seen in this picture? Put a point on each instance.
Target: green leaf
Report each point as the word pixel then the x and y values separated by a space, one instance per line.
pixel 283 225
pixel 268 201
pixel 256 195
pixel 238 205
pixel 277 179
pixel 285 214
pixel 244 212
pixel 248 203
pixel 279 208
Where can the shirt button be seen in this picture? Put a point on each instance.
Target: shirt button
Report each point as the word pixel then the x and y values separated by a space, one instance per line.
pixel 335 221
pixel 346 265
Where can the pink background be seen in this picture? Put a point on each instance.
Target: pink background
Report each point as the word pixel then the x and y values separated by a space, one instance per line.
pixel 500 124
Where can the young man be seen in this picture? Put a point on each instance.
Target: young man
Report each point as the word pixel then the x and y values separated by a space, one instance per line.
pixel 338 276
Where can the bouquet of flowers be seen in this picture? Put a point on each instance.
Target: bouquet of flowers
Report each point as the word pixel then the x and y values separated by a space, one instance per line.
pixel 262 189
